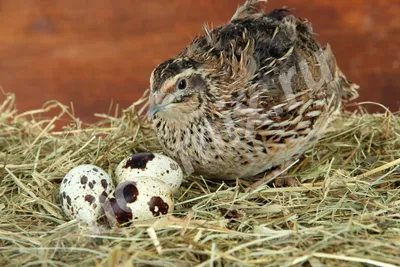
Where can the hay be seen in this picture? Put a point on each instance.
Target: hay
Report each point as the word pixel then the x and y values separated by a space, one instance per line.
pixel 346 211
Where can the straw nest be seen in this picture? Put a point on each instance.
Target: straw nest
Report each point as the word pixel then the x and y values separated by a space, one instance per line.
pixel 345 212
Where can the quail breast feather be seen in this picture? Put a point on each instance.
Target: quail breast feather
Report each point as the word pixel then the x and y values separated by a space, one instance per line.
pixel 247 96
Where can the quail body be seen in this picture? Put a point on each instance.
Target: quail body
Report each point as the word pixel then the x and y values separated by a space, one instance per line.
pixel 248 96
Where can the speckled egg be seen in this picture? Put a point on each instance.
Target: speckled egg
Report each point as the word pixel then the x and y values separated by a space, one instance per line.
pixel 83 191
pixel 150 165
pixel 139 200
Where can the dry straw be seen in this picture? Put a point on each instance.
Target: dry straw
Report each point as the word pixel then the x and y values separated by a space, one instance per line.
pixel 345 212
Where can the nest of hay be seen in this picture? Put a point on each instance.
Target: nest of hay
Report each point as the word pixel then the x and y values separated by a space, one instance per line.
pixel 346 210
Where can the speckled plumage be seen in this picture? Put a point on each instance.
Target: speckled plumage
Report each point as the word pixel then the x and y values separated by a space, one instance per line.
pixel 240 99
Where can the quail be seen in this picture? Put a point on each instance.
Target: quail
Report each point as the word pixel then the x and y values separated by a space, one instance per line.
pixel 248 97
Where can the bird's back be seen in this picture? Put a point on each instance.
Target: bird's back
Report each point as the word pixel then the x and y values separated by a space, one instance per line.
pixel 265 48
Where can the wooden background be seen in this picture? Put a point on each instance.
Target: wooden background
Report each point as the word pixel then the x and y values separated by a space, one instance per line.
pixel 91 52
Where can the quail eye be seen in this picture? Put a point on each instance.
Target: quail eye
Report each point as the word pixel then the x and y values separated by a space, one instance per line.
pixel 182 84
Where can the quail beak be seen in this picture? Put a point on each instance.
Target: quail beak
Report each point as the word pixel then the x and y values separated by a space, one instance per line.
pixel 156 104
pixel 154 109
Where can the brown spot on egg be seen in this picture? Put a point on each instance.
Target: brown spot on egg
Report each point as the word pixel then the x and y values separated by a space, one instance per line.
pixel 104 183
pixel 84 179
pixel 174 166
pixel 64 195
pixel 130 192
pixel 94 205
pixel 157 206
pixel 94 181
pixel 91 185
pixel 139 161
pixel 65 181
pixel 69 200
pixel 95 169
pixel 90 199
pixel 121 214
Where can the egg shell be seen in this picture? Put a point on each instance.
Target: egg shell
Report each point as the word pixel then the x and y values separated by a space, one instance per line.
pixel 150 165
pixel 139 200
pixel 83 191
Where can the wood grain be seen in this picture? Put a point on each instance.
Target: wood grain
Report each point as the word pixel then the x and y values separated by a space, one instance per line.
pixel 92 52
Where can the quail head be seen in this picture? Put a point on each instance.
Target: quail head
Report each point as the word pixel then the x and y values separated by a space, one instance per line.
pixel 248 96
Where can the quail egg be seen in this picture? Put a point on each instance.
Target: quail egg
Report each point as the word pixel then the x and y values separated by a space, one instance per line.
pixel 83 190
pixel 138 200
pixel 151 165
